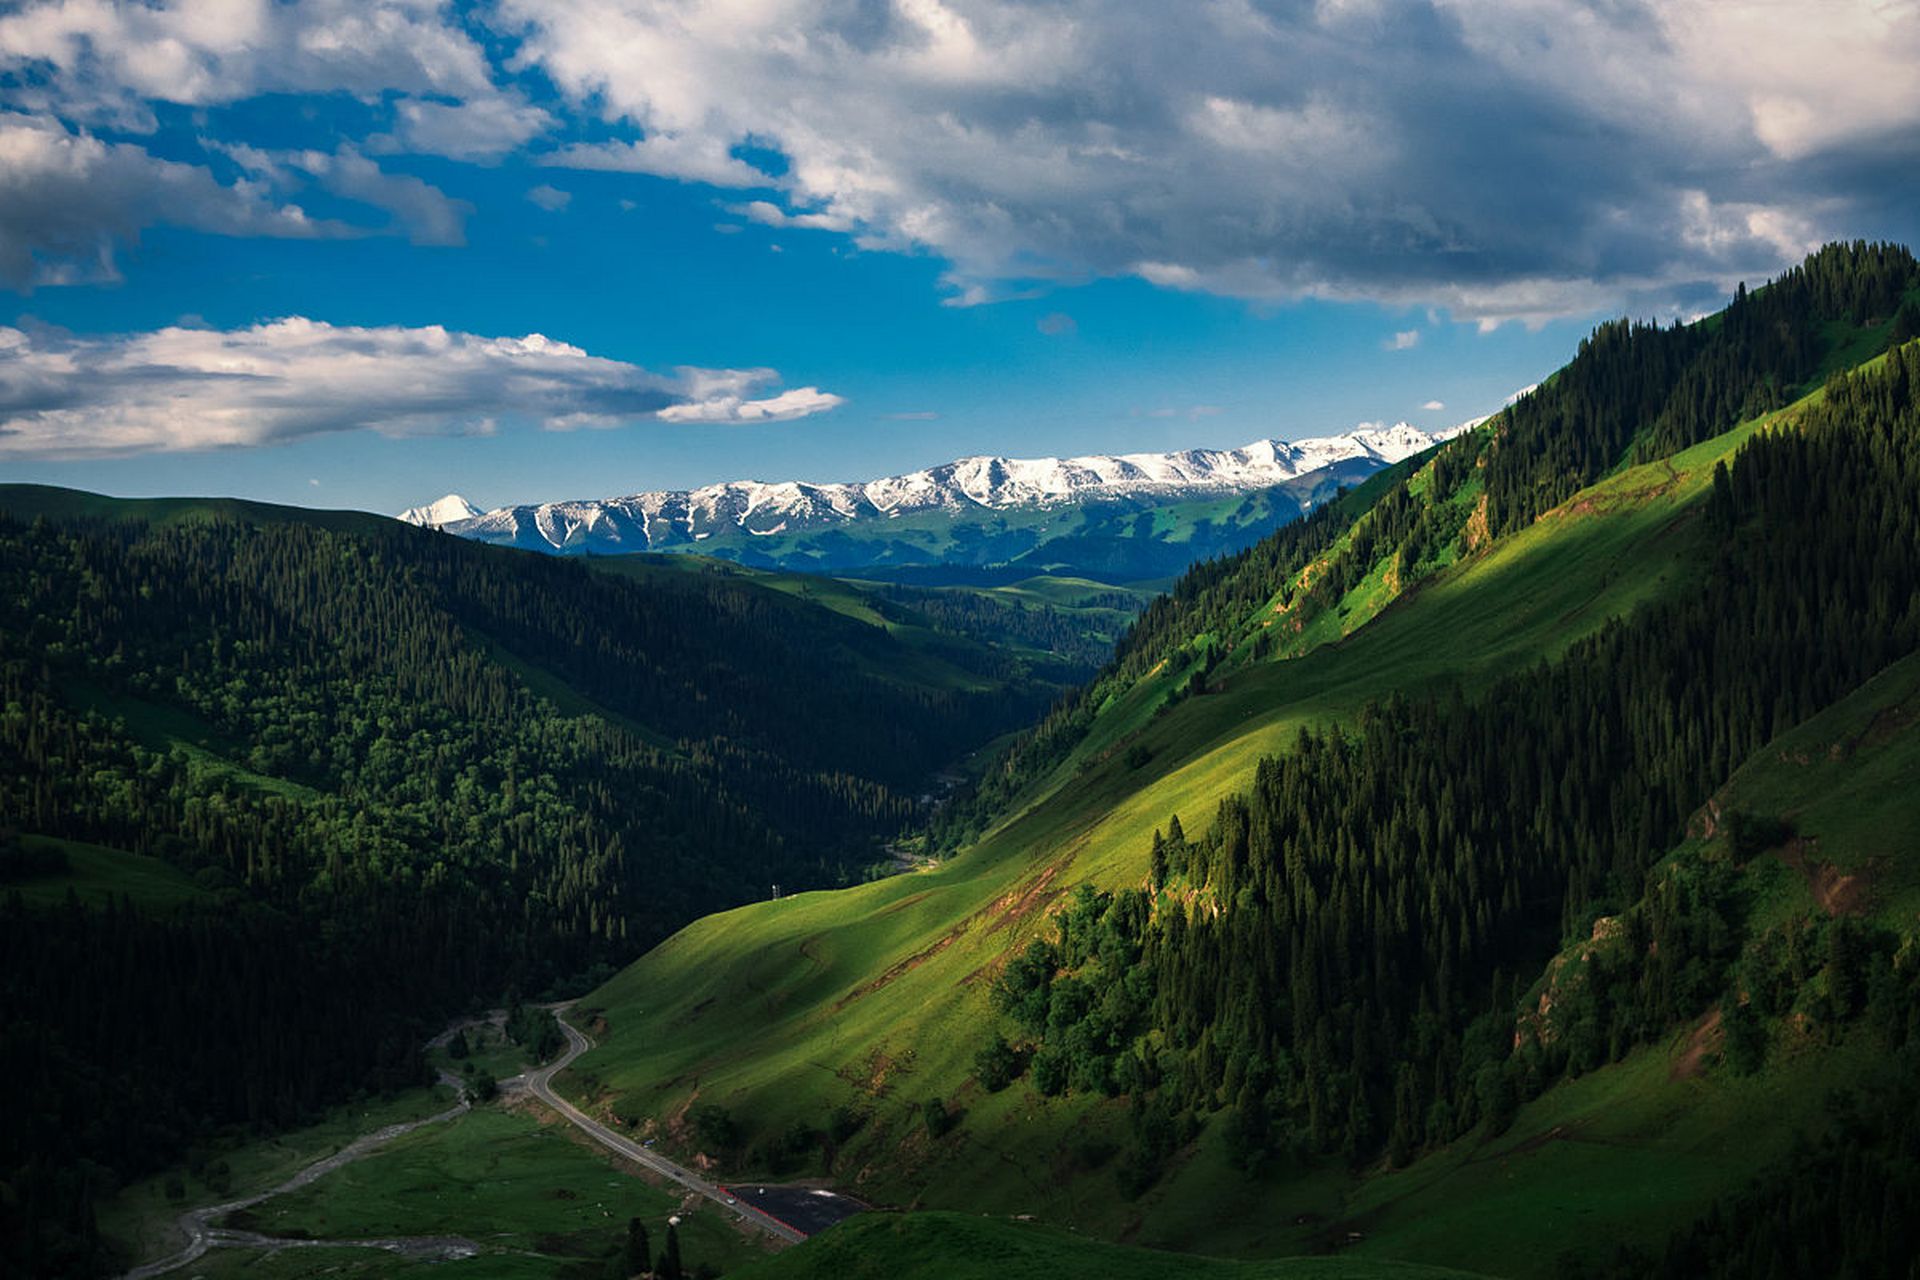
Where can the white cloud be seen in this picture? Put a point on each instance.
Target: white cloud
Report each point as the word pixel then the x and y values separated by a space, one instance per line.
pixel 768 214
pixel 423 211
pixel 552 199
pixel 105 62
pixel 184 389
pixel 67 199
pixel 724 396
pixel 708 160
pixel 1404 340
pixel 481 130
pixel 1434 406
pixel 1497 160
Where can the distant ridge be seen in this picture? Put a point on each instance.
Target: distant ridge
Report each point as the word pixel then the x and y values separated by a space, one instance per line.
pixel 727 518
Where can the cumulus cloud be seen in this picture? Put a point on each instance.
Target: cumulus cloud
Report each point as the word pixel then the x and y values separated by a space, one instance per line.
pixel 1501 159
pixel 1434 406
pixel 552 199
pixel 105 63
pixel 768 214
pixel 1057 324
pixel 726 395
pixel 188 388
pixel 695 159
pixel 1405 340
pixel 482 130
pixel 426 214
pixel 1498 160
pixel 67 199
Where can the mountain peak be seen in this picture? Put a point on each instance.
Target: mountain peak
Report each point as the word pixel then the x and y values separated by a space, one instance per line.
pixel 442 511
pixel 743 513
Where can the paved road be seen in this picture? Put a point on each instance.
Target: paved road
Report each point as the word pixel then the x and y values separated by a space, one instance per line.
pixel 540 1083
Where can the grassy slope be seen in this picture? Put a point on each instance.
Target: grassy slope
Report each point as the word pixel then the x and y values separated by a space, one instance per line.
pixel 140 1218
pixel 96 874
pixel 505 1181
pixel 876 996
pixel 26 501
pixel 1639 1143
pixel 952 1246
pixel 905 651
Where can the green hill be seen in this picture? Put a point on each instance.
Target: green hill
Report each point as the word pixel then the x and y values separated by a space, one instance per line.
pixel 283 788
pixel 1520 666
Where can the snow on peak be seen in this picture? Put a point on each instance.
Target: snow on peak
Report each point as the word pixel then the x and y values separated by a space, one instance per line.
pixel 442 511
pixel 657 519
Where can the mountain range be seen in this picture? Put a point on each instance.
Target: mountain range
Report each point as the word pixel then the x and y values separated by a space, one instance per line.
pixel 1047 514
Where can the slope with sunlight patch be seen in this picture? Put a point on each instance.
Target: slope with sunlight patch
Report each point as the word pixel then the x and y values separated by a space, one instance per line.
pixel 1165 1100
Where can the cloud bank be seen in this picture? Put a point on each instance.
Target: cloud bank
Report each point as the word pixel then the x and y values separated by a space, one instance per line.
pixel 67 198
pixel 1498 159
pixel 1502 159
pixel 63 397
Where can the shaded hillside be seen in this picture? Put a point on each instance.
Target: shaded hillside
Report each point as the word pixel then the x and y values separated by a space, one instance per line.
pixel 390 772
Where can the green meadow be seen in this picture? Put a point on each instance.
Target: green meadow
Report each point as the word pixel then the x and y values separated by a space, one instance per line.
pixel 873 999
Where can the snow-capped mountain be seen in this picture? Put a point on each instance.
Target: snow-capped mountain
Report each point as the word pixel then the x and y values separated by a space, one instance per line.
pixel 441 513
pixel 725 515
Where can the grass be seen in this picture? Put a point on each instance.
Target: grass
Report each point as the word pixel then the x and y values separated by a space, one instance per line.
pixel 95 874
pixel 24 502
pixel 139 1219
pixel 1845 780
pixel 209 753
pixel 952 1246
pixel 488 1049
pixel 310 1262
pixel 1627 1147
pixel 506 1181
pixel 906 652
pixel 875 997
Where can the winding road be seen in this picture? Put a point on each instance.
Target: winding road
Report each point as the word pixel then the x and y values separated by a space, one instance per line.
pixel 539 1082
pixel 202 1235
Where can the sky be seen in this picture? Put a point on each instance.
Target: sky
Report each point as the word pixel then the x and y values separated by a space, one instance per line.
pixel 360 253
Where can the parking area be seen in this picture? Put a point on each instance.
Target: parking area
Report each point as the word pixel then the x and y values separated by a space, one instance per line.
pixel 808 1210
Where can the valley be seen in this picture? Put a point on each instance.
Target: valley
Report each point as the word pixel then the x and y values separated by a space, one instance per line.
pixel 1503 868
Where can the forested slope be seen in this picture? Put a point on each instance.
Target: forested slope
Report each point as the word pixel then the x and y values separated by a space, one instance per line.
pixel 1482 738
pixel 405 772
pixel 1634 392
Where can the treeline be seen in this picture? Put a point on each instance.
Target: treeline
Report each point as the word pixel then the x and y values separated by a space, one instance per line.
pixel 417 769
pixel 1336 962
pixel 1633 392
pixel 1078 642
pixel 131 1041
pixel 1644 391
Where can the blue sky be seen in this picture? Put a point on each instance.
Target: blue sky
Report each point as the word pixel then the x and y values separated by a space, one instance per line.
pixel 292 251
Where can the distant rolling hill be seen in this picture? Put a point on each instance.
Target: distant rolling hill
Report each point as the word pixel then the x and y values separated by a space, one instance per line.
pixel 1114 518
